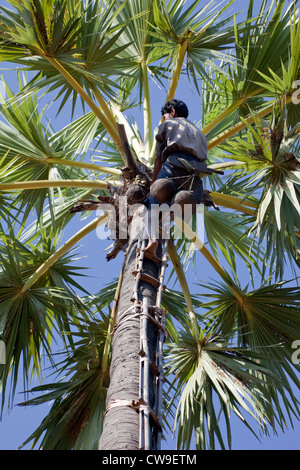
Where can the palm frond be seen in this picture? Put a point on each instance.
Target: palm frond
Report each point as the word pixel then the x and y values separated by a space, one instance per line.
pixel 78 397
pixel 230 348
pixel 227 234
pixel 239 86
pixel 267 321
pixel 30 319
pixel 213 378
pixel 207 39
pixel 271 155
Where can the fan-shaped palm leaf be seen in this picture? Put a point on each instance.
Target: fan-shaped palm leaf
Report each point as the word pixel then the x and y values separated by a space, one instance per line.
pixel 214 378
pixel 265 318
pixel 204 39
pixel 272 152
pixel 99 50
pixel 241 89
pixel 29 317
pixel 227 234
pixel 79 397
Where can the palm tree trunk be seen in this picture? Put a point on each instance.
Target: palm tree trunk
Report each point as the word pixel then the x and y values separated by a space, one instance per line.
pixel 121 421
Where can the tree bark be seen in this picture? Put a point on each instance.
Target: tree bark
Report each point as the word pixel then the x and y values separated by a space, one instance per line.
pixel 121 423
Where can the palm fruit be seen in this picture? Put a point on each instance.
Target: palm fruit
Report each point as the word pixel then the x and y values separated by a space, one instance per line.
pixel 163 190
pixel 187 201
pixel 135 194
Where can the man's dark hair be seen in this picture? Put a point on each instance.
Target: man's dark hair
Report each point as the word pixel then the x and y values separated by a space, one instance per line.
pixel 179 106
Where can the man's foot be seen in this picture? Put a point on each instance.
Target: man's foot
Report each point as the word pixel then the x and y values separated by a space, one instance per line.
pixel 152 247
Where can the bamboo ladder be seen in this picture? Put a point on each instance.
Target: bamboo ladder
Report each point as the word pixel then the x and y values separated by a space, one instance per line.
pixel 155 315
pixel 148 417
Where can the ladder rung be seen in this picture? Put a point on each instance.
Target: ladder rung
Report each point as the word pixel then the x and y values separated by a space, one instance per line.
pixel 151 280
pixel 154 368
pixel 152 257
pixel 147 278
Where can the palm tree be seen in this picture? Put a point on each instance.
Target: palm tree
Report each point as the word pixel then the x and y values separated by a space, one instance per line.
pixel 228 347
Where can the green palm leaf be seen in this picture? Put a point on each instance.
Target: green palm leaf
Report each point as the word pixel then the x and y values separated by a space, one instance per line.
pixel 214 378
pixel 227 235
pixel 207 38
pixel 283 82
pixel 31 152
pixel 240 362
pixel 81 37
pixel 29 319
pixel 239 85
pixel 78 397
pixel 25 147
pixel 266 319
pixel 271 155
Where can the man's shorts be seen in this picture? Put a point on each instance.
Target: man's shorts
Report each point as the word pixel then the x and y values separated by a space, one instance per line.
pixel 182 179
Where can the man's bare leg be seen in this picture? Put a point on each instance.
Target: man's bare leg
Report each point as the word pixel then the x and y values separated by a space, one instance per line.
pixel 152 247
pixel 152 242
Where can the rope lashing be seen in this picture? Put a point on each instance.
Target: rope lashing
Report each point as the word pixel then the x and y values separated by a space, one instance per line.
pixel 139 314
pixel 137 405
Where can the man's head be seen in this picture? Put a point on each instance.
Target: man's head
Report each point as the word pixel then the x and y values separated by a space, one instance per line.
pixel 174 108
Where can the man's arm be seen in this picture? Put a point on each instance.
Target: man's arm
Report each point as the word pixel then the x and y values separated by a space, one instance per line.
pixel 160 147
pixel 157 168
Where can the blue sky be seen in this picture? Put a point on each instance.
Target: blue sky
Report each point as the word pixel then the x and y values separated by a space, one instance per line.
pixel 18 424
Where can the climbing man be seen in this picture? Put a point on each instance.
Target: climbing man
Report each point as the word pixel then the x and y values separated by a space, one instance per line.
pixel 181 150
